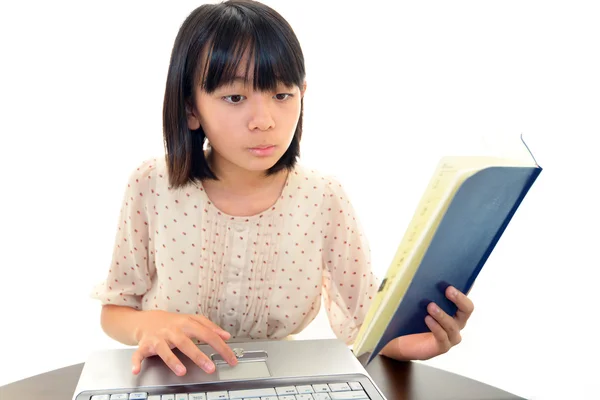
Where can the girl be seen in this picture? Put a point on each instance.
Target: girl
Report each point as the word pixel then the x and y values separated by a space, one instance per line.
pixel 227 237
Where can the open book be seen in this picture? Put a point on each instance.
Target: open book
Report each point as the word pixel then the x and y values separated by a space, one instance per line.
pixel 462 214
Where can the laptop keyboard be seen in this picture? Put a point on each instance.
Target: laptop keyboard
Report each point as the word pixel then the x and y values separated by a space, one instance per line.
pixel 321 391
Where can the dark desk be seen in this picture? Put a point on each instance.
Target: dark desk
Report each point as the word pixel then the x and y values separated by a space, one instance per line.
pixel 397 380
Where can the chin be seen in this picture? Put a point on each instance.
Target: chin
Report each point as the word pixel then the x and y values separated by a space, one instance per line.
pixel 262 163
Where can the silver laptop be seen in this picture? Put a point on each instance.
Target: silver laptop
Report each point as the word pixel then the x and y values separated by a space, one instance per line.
pixel 266 370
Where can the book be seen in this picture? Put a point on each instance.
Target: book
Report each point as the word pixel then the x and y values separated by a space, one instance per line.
pixel 462 214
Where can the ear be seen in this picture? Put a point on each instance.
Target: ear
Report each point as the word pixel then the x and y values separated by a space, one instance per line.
pixel 193 119
pixel 303 89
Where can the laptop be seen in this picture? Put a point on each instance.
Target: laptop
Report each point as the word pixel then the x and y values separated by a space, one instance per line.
pixel 266 370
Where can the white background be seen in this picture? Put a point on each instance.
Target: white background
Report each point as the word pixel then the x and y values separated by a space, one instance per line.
pixel 392 87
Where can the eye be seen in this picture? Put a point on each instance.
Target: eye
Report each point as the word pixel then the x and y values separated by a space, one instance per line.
pixel 283 96
pixel 234 98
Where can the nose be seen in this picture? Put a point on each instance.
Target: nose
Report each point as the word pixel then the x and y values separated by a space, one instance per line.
pixel 261 116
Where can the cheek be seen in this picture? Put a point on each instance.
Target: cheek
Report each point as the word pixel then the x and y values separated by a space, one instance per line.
pixel 222 129
pixel 292 119
pixel 214 120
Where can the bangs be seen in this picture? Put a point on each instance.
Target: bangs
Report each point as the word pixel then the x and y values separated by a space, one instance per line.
pixel 240 38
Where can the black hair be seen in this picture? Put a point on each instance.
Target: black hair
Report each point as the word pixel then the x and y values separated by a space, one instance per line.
pixel 225 32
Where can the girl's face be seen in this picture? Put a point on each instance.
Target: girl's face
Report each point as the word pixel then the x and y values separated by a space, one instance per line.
pixel 247 129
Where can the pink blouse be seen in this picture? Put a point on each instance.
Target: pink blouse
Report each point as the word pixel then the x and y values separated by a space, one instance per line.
pixel 258 277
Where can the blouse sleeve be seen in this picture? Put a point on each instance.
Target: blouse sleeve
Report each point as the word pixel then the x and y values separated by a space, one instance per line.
pixel 129 276
pixel 349 284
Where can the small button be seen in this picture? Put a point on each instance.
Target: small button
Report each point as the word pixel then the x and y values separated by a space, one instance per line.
pixel 339 387
pixel 321 388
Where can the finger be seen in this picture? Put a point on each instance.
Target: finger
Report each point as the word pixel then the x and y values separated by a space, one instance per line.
pixel 187 347
pixel 211 325
pixel 464 304
pixel 136 361
pixel 143 351
pixel 216 342
pixel 440 335
pixel 164 351
pixel 448 324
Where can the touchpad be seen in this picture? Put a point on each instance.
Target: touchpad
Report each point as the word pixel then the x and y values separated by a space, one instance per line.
pixel 243 370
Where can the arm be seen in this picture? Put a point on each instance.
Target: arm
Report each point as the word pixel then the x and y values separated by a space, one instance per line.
pixel 349 284
pixel 131 270
pixel 121 323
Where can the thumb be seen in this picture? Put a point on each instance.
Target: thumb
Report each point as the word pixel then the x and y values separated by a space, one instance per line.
pixel 222 333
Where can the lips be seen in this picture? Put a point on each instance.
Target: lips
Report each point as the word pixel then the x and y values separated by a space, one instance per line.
pixel 262 150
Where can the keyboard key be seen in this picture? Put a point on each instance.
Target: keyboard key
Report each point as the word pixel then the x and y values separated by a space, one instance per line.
pixel 138 396
pixel 101 397
pixel 305 389
pixel 270 398
pixel 286 390
pixel 181 396
pixel 321 388
pixel 168 397
pixel 321 396
pixel 305 396
pixel 251 393
pixel 355 385
pixel 353 395
pixel 197 396
pixel 121 396
pixel 339 387
pixel 154 397
pixel 287 397
pixel 217 396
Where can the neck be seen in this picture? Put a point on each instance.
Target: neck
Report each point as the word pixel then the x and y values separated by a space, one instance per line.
pixel 239 181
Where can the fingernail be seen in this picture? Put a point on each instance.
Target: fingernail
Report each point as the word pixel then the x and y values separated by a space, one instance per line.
pixel 209 366
pixel 179 369
pixel 436 309
pixel 133 369
pixel 453 293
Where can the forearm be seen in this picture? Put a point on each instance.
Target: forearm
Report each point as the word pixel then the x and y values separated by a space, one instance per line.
pixel 392 350
pixel 121 323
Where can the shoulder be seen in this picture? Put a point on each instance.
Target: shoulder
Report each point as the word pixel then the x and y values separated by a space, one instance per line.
pixel 148 168
pixel 145 175
pixel 327 185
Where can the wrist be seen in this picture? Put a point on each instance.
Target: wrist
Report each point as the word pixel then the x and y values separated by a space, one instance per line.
pixel 139 326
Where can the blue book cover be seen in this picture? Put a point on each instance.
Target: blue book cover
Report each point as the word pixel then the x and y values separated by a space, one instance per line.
pixel 471 216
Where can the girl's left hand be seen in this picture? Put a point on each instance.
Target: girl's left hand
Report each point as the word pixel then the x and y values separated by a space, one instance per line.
pixel 445 331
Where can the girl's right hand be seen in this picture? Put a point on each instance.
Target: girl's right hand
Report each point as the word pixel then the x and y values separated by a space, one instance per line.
pixel 161 331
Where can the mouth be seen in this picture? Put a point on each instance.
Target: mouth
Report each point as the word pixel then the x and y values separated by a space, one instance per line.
pixel 262 150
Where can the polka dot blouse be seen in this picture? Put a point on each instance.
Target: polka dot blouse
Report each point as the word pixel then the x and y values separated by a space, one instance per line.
pixel 258 277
